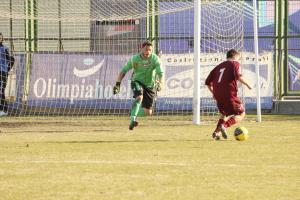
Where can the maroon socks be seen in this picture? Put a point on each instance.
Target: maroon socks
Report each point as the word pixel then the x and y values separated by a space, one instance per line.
pixel 229 123
pixel 221 121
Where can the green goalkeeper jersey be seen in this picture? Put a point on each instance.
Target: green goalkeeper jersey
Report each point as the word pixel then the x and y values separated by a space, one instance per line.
pixel 144 69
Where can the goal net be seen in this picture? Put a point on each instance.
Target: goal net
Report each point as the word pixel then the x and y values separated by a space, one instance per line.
pixel 69 53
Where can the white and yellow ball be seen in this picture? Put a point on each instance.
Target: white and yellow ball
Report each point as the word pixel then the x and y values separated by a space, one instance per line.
pixel 241 133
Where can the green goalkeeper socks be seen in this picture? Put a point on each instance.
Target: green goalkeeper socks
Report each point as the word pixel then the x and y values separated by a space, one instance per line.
pixel 134 110
pixel 142 113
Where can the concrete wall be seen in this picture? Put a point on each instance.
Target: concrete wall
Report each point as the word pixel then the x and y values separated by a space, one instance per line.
pixel 289 107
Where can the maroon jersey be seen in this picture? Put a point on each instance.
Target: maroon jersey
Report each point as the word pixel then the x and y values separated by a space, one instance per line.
pixel 223 78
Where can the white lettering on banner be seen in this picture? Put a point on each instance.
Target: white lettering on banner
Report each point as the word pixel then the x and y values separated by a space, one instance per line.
pixel 89 93
pixel 65 91
pixel 49 86
pixel 122 89
pixel 178 102
pixel 128 90
pixel 74 92
pixel 98 88
pixel 108 92
pixel 82 89
pixel 35 87
pixel 52 90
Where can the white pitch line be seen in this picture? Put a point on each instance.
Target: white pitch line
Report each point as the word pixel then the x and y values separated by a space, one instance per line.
pixel 271 136
pixel 151 134
pixel 98 162
pixel 274 126
pixel 283 136
pixel 150 163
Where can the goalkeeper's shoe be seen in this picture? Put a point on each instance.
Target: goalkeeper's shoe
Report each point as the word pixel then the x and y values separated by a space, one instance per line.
pixel 223 130
pixel 133 124
pixel 216 136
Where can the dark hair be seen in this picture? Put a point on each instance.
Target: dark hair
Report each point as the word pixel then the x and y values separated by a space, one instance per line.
pixel 147 43
pixel 1 35
pixel 232 53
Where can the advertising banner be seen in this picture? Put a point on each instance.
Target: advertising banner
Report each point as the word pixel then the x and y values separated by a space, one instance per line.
pixel 78 81
pixel 179 80
pixel 86 81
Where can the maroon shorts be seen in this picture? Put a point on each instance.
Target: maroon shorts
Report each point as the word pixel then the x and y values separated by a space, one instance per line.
pixel 231 108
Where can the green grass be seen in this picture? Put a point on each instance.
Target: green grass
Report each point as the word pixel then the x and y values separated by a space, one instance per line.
pixel 102 159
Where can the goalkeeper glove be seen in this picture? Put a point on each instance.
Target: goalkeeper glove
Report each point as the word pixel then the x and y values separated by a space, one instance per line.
pixel 116 88
pixel 159 85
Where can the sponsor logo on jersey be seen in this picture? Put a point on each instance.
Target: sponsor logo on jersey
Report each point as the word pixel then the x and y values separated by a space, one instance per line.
pixel 150 63
pixel 144 64
pixel 139 63
pixel 136 64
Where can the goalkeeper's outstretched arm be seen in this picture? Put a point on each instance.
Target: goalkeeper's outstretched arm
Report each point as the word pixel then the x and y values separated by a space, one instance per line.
pixel 161 79
pixel 120 77
pixel 125 69
pixel 116 88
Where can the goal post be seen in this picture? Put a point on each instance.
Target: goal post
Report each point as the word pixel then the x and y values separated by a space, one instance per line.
pixel 256 60
pixel 197 33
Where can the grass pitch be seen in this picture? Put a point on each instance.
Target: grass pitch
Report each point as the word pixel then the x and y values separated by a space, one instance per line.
pixel 102 159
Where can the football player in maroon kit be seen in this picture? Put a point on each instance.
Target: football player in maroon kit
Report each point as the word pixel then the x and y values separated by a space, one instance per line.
pixel 222 82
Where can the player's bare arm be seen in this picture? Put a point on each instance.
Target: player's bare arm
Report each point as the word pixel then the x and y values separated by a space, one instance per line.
pixel 161 79
pixel 243 80
pixel 211 89
pixel 120 77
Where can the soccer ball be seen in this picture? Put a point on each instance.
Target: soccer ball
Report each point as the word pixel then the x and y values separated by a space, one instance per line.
pixel 241 133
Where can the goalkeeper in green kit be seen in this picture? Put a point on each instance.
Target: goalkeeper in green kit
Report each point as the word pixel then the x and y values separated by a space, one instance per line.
pixel 144 67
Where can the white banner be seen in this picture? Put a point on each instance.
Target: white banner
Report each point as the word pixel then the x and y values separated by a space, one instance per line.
pixel 179 75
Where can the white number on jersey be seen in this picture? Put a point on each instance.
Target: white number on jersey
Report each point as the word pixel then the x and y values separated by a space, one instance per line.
pixel 221 71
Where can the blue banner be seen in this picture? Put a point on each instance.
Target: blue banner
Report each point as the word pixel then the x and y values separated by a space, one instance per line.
pixel 78 81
